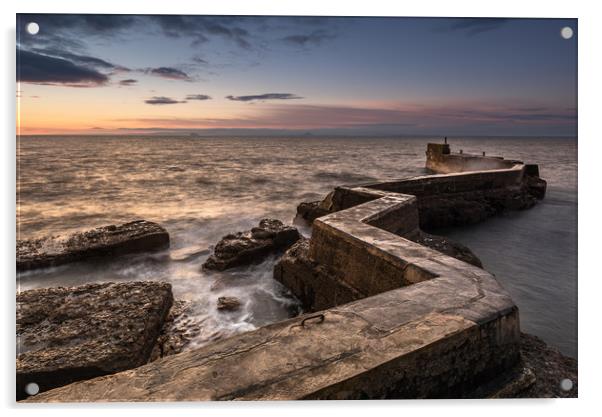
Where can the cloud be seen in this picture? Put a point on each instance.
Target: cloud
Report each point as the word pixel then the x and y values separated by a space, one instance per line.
pixel 71 32
pixel 266 96
pixel 88 23
pixel 169 73
pixel 158 100
pixel 37 68
pixel 128 82
pixel 200 60
pixel 314 38
pixel 475 25
pixel 201 28
pixel 471 118
pixel 85 60
pixel 198 97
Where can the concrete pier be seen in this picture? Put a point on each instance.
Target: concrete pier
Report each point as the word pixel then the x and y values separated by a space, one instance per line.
pixel 398 320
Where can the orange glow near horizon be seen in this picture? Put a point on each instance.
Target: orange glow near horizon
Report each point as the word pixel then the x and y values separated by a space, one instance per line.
pixel 55 110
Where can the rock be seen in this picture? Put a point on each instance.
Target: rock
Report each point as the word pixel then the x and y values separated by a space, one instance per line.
pixel 177 332
pixel 107 241
pixel 447 247
pixel 309 211
pixel 251 246
pixel 228 303
pixel 71 334
pixel 550 367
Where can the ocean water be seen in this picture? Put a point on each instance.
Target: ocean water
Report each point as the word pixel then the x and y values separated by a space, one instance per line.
pixel 203 188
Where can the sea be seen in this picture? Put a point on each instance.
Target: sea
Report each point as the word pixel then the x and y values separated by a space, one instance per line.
pixel 202 188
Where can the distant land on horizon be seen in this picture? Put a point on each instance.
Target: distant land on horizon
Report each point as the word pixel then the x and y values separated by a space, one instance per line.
pixel 228 133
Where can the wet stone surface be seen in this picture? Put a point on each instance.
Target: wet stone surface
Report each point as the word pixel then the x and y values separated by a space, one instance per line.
pixel 228 303
pixel 113 240
pixel 251 246
pixel 70 334
pixel 178 330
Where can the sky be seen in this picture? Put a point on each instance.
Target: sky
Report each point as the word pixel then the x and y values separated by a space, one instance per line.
pixel 249 75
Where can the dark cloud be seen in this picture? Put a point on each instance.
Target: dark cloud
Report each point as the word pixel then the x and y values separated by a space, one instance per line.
pixel 199 60
pixel 43 69
pixel 70 32
pixel 475 25
pixel 63 37
pixel 162 100
pixel 201 28
pixel 198 97
pixel 128 82
pixel 267 96
pixel 168 72
pixel 85 60
pixel 88 23
pixel 314 38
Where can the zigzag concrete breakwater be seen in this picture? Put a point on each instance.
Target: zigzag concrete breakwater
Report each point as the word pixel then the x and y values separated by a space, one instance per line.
pixel 396 319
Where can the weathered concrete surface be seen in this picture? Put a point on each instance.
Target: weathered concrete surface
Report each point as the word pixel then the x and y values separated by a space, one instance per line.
pixel 379 347
pixel 450 331
pixel 456 199
pixel 439 159
pixel 251 246
pixel 69 334
pixel 313 284
pixel 318 288
pixel 450 199
pixel 114 240
pixel 428 325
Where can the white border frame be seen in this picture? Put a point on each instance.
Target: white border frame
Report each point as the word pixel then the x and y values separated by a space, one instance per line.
pixel 590 149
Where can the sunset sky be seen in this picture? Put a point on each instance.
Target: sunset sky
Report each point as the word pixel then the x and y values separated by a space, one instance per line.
pixel 118 74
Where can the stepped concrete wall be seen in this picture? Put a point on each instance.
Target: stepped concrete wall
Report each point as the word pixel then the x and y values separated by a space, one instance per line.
pixel 423 324
pixel 439 159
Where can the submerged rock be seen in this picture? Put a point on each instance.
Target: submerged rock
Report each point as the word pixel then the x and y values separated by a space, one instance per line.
pixel 188 253
pixel 70 334
pixel 251 246
pixel 447 247
pixel 113 240
pixel 228 303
